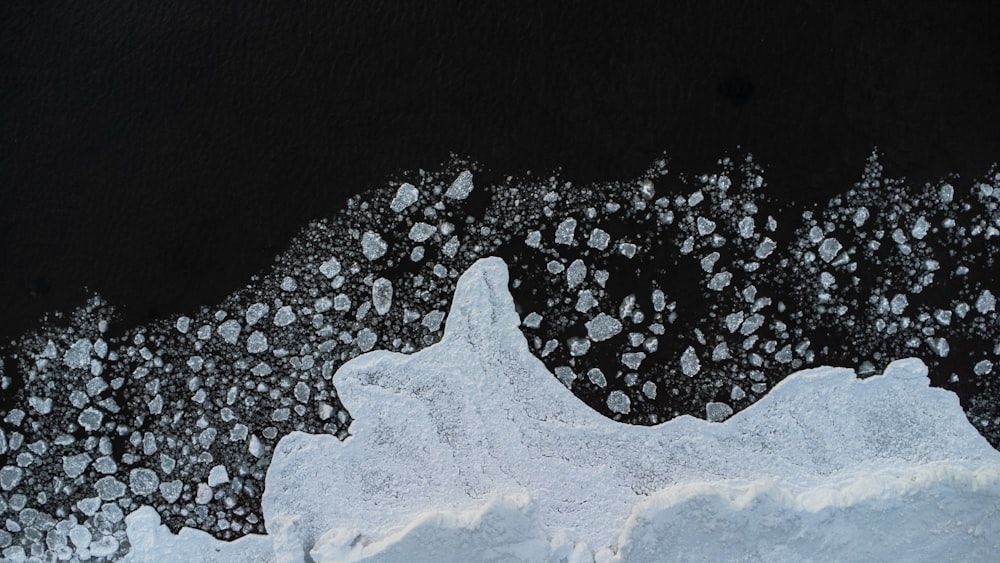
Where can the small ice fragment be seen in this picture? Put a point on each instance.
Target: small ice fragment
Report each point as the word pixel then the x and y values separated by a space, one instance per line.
pixel 576 273
pixel 532 320
pixel 649 390
pixel 78 355
pixel 578 346
pixel 534 239
pixel 708 262
pixel 829 248
pixel 230 331
pixel 720 281
pixel 860 216
pixel 255 313
pixel 183 324
pixel 372 245
pixel 619 402
pixel 632 360
pixel 596 376
pixel 432 320
pixel 75 465
pixel 257 342
pixel 330 268
pixel 627 249
pixel 986 302
pixel 765 248
pixel 366 339
pixel 746 227
pixel 288 283
pixel 284 316
pixel 218 475
pixel 983 367
pixel 737 393
pixel 898 304
pixel 717 412
pixel 405 196
pixel 90 419
pixel 565 231
pixel 461 187
pixel 599 239
pixel 171 490
pixel 143 481
pixel 585 301
pixel 920 228
pixel 705 226
pixel 420 232
pixel 603 327
pixel 690 365
pixel 382 295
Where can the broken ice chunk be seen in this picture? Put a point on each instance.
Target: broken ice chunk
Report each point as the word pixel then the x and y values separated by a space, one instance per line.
pixel 78 355
pixel 382 295
pixel 284 316
pixel 405 196
pixel 255 313
pixel 829 248
pixel 705 226
pixel 619 402
pixel 720 281
pixel 603 327
pixel 599 239
pixel 372 245
pixel 420 232
pixel 330 268
pixel 461 187
pixel 585 301
pixel 986 302
pixel 717 412
pixel 230 331
pixel 218 475
pixel 565 230
pixel 143 482
pixel 576 273
pixel 257 342
pixel 983 367
pixel 690 365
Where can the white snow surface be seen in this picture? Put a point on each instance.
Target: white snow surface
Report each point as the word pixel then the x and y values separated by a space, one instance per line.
pixel 470 450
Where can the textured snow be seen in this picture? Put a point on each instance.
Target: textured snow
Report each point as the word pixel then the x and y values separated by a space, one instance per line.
pixel 471 450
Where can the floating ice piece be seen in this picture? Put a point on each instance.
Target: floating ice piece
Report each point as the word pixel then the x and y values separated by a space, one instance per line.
pixel 461 187
pixel 372 245
pixel 599 239
pixel 829 248
pixel 382 295
pixel 690 366
pixel 405 196
pixel 986 302
pixel 603 327
pixel 420 232
pixel 330 269
pixel 565 230
pixel 619 402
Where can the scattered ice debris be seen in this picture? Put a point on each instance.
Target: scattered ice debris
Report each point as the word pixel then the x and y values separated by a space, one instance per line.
pixel 703 308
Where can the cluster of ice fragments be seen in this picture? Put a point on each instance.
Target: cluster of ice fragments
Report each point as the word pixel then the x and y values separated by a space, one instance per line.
pixel 648 299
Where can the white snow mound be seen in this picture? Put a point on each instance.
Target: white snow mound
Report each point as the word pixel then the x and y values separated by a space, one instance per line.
pixel 470 450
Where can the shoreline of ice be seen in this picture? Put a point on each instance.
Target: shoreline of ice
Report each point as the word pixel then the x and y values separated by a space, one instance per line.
pixel 471 449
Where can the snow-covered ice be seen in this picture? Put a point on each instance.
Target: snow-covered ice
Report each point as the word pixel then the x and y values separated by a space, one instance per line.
pixel 471 450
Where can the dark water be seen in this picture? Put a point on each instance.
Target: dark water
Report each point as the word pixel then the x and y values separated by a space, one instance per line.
pixel 161 156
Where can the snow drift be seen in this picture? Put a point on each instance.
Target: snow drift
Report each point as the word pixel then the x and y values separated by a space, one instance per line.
pixel 470 450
